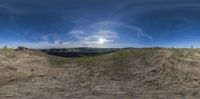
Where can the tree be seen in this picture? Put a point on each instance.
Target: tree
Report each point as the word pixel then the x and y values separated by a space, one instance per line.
pixel 5 47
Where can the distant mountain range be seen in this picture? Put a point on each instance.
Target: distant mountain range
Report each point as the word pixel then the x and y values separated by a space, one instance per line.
pixel 78 52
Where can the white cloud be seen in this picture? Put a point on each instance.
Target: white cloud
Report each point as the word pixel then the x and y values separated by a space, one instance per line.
pixel 101 34
pixel 100 38
pixel 133 29
pixel 57 42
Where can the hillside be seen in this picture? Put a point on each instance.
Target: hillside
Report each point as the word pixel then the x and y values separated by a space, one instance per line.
pixel 125 74
pixel 78 52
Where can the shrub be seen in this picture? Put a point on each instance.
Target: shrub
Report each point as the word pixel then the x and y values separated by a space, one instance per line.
pixel 8 52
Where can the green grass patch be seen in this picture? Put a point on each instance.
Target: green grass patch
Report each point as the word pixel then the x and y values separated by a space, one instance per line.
pixel 8 52
pixel 54 60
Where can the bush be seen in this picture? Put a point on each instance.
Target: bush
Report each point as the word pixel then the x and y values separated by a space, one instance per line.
pixel 8 52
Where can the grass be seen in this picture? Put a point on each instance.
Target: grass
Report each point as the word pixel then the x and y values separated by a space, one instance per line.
pixel 122 54
pixel 8 52
pixel 120 67
pixel 113 64
pixel 59 60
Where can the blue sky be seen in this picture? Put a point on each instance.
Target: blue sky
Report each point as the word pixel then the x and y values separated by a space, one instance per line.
pixel 99 23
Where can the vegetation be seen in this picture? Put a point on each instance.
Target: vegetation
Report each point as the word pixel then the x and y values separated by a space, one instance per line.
pixel 113 64
pixel 8 52
pixel 116 57
pixel 127 71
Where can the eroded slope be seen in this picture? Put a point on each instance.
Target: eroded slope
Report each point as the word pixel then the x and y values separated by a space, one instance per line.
pixel 129 73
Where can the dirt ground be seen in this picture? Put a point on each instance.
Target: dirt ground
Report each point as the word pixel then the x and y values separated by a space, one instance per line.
pixel 128 74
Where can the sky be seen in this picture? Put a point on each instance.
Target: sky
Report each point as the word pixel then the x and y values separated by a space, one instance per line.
pixel 99 23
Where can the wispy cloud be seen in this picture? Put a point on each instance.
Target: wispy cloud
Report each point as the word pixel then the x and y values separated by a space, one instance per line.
pixel 116 25
pixel 100 34
pixel 99 38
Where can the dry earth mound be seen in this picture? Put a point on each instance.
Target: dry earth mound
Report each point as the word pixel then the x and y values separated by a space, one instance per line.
pixel 126 74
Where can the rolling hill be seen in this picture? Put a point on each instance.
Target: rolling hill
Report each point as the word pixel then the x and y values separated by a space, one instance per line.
pixel 124 74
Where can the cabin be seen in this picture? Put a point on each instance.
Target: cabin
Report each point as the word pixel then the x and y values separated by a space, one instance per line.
pixel 20 48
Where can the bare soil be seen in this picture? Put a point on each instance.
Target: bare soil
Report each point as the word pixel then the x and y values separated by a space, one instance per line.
pixel 127 74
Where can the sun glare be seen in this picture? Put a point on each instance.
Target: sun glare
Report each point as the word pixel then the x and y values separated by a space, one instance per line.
pixel 101 41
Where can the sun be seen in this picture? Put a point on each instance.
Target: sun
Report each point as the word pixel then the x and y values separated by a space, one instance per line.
pixel 101 41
